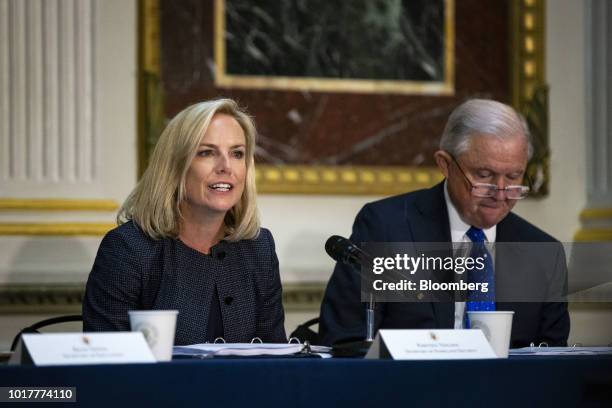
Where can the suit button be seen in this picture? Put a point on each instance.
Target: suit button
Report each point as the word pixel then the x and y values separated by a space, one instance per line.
pixel 221 255
pixel 228 300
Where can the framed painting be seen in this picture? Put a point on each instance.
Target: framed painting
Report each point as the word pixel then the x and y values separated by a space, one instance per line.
pixel 348 97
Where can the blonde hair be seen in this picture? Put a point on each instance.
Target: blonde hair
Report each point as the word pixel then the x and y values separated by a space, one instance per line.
pixel 154 202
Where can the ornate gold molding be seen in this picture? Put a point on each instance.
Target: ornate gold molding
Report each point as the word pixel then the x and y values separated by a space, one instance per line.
pixel 151 117
pixel 528 50
pixel 597 221
pixel 35 204
pixel 344 180
pixel 529 88
pixel 67 298
pixel 593 234
pixel 41 298
pixel 305 297
pixel 595 214
pixel 56 229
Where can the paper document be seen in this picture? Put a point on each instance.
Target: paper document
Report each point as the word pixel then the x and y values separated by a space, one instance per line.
pixel 560 351
pixel 248 349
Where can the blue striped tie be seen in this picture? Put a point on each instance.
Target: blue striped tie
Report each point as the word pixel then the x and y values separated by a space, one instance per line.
pixel 476 300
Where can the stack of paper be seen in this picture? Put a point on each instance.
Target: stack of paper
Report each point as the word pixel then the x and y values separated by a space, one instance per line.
pixel 560 351
pixel 249 349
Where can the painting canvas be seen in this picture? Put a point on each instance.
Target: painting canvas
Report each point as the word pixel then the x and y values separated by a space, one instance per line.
pixel 368 46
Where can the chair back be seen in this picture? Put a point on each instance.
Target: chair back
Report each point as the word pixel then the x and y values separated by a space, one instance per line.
pixel 303 332
pixel 43 323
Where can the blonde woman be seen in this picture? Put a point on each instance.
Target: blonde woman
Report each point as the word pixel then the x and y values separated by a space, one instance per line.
pixel 189 237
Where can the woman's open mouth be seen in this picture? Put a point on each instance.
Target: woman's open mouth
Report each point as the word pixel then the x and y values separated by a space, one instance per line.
pixel 220 187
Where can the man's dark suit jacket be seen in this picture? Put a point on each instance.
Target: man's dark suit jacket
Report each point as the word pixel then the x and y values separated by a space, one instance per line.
pixel 422 216
pixel 135 272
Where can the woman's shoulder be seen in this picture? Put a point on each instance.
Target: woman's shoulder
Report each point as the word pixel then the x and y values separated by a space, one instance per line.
pixel 263 241
pixel 264 237
pixel 265 234
pixel 129 238
pixel 128 231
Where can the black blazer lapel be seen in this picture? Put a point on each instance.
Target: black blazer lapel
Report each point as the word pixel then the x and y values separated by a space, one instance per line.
pixel 507 230
pixel 429 223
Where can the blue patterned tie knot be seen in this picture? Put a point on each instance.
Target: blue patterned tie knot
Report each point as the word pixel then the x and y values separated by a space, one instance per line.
pixel 476 235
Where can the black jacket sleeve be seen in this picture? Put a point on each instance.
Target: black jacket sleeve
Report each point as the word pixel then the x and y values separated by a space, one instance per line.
pixel 270 316
pixel 113 286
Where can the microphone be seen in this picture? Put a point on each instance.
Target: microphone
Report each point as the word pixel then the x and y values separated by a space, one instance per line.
pixel 344 251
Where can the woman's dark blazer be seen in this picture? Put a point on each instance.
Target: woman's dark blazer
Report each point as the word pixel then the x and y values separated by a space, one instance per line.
pixel 135 272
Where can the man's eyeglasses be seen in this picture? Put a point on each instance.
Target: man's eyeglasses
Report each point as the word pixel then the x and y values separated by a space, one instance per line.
pixel 484 190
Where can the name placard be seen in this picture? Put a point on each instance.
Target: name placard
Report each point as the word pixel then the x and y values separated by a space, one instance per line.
pixel 430 345
pixel 82 348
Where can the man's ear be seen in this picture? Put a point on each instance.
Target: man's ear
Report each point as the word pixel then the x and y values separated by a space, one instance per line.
pixel 443 160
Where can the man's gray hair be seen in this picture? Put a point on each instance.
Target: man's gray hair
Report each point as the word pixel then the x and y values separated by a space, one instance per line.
pixel 482 117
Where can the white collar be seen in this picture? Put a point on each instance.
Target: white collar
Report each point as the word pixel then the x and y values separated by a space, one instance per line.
pixel 458 227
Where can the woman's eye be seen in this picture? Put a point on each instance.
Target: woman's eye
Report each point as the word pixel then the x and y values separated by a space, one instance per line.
pixel 205 153
pixel 239 154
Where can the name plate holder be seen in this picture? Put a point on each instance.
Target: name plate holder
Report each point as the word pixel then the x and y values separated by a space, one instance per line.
pixel 434 344
pixel 82 348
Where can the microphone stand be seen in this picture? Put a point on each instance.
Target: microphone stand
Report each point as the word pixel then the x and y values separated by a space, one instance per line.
pixel 344 251
pixel 370 319
pixel 359 348
pixel 355 257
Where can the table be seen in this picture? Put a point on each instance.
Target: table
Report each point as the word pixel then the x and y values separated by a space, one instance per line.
pixel 308 382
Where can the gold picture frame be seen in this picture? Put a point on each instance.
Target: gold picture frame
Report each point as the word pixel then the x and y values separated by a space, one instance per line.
pixel 528 88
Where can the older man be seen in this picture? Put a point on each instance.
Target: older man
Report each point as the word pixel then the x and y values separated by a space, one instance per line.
pixel 483 155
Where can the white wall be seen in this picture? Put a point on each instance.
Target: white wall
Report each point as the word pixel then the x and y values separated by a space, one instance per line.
pixel 118 74
pixel 113 100
pixel 302 224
